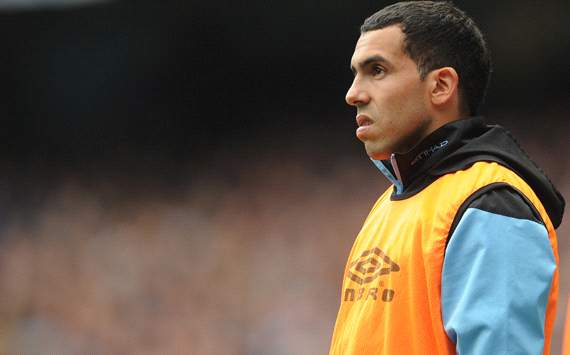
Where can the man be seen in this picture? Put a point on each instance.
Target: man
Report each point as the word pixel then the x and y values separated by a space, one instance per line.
pixel 459 255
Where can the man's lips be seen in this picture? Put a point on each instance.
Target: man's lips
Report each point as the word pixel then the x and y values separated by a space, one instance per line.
pixel 364 122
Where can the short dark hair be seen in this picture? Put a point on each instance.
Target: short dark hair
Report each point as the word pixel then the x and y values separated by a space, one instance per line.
pixel 438 34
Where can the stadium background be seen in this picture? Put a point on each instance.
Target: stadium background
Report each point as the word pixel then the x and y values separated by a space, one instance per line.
pixel 182 177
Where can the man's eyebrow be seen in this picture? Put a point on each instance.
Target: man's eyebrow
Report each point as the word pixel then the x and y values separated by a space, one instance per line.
pixel 367 61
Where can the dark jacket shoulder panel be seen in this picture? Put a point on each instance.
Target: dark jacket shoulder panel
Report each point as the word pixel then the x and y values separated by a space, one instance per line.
pixel 501 199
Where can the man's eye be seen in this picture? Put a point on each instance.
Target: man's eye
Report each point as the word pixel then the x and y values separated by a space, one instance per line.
pixel 377 70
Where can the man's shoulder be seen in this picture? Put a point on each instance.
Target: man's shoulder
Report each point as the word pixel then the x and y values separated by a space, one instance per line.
pixel 505 200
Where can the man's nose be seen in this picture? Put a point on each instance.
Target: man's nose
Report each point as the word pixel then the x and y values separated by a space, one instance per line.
pixel 356 95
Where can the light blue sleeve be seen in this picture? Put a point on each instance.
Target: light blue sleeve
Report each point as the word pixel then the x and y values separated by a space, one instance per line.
pixel 496 280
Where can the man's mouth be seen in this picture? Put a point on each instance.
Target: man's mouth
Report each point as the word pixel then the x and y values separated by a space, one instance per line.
pixel 364 122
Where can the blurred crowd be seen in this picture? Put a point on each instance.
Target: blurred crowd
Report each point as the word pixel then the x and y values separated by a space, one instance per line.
pixel 250 265
pixel 247 261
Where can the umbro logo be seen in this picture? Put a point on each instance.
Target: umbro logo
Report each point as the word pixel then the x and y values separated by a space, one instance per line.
pixel 368 267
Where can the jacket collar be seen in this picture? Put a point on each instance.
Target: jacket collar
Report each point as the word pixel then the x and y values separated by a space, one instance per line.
pixel 403 169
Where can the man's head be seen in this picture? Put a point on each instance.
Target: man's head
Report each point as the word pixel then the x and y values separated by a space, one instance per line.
pixel 417 66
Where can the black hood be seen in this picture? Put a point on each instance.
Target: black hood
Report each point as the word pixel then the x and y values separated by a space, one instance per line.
pixel 459 144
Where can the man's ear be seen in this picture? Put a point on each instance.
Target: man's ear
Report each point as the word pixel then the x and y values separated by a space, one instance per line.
pixel 444 88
